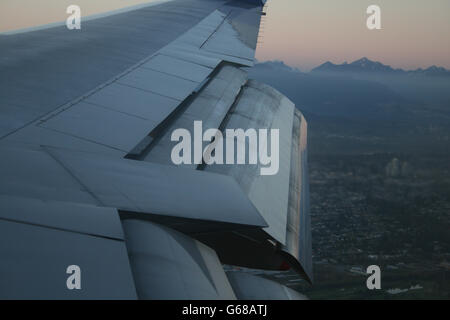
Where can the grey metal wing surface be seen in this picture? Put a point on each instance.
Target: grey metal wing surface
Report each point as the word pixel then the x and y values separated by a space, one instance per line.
pixel 87 180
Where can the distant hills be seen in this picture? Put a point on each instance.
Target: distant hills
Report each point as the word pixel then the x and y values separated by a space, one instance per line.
pixel 371 111
pixel 321 94
pixel 363 89
pixel 367 66
pixel 276 65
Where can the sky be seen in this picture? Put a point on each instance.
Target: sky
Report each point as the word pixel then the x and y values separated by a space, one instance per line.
pixel 304 33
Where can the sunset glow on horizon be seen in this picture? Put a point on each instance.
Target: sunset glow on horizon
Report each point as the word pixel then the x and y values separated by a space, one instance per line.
pixel 304 33
pixel 307 33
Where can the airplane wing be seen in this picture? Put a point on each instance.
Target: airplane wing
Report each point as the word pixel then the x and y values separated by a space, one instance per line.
pixel 87 182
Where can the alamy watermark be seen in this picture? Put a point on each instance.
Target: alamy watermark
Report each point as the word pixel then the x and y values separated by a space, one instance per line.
pixel 235 150
pixel 374 20
pixel 374 280
pixel 74 280
pixel 74 20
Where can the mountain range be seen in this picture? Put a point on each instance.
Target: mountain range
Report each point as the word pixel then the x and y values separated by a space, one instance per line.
pixel 364 65
pixel 366 111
